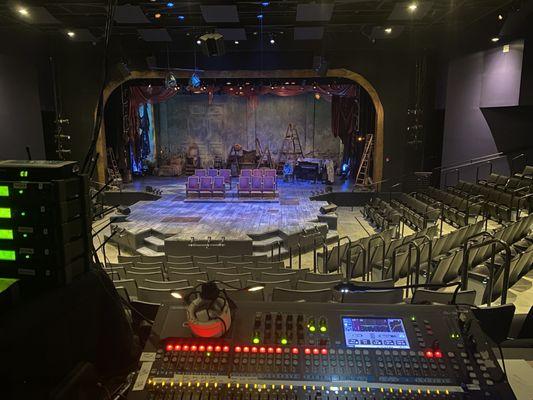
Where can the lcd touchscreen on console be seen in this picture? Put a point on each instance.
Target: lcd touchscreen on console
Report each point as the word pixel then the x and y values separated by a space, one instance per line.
pixel 378 333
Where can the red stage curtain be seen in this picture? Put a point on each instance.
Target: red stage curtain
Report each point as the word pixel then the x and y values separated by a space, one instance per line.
pixel 344 112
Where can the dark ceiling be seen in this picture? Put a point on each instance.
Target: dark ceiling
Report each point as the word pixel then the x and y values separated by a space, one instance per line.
pixel 185 20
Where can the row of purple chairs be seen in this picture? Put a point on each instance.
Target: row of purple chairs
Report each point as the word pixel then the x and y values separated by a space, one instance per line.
pixel 226 173
pixel 258 172
pixel 213 185
pixel 257 185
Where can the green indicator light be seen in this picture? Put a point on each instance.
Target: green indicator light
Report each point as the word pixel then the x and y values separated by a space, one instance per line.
pixel 256 340
pixel 21 191
pixel 413 318
pixel 23 214
pixel 8 255
pixel 23 174
pixel 5 212
pixel 4 191
pixel 312 328
pixel 284 341
pixel 27 256
pixel 24 235
pixel 323 328
pixel 6 234
pixel 208 354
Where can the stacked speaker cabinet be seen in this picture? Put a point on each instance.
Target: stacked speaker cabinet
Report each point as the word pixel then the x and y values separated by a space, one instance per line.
pixel 44 222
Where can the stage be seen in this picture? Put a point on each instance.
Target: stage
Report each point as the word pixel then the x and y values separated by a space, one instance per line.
pixel 231 225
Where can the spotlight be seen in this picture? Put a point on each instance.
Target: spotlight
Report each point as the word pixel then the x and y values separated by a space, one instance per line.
pixel 228 83
pixel 412 7
pixel 317 96
pixel 181 17
pixel 495 39
pixel 259 16
pixel 157 15
pixel 170 4
pixel 236 42
pixel 272 41
pixel 71 34
pixel 500 17
pixel 265 3
pixel 23 11
pixel 198 42
pixel 388 31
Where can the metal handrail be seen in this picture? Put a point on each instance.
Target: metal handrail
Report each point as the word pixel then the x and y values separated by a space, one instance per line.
pixel 339 248
pixel 426 239
pixel 506 266
pixel 349 256
pixel 369 260
pixel 417 265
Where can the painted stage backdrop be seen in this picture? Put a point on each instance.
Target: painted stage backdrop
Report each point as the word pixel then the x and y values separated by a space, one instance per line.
pixel 186 120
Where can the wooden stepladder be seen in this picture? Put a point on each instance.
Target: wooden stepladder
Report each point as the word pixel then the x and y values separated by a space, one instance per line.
pixel 112 169
pixel 363 178
pixel 291 148
pixel 264 157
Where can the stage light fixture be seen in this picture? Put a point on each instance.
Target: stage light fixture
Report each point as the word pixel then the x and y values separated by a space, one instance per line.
pixel 23 11
pixel 500 17
pixel 265 3
pixel 171 81
pixel 272 41
pixel 317 96
pixel 495 39
pixel 157 15
pixel 198 42
pixel 71 34
pixel 181 17
pixel 259 16
pixel 388 31
pixel 195 81
pixel 236 42
pixel 170 4
pixel 412 7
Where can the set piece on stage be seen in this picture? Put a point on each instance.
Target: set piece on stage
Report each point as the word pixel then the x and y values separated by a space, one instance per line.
pixel 210 182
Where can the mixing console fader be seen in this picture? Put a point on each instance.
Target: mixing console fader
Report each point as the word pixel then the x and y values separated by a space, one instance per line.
pixel 293 351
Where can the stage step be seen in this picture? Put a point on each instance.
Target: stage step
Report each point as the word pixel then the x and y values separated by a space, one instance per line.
pixel 284 254
pixel 155 243
pixel 146 251
pixel 263 235
pixel 266 244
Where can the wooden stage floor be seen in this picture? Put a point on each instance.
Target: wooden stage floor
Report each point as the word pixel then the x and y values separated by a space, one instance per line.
pixel 173 214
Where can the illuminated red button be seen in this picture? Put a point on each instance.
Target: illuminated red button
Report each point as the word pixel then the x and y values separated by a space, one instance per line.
pixel 209 348
pixel 177 347
pixel 237 349
pixel 170 347
pixel 437 354
pixel 246 349
pixel 307 351
pixel 185 347
pixel 225 349
pixel 279 350
pixel 254 349
pixel 201 348
pixel 295 350
pixel 324 352
pixel 218 349
pixel 194 347
pixel 262 350
pixel 428 354
pixel 316 351
pixel 270 350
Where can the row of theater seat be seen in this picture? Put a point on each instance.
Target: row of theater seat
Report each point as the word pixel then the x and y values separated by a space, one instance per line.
pixel 456 210
pixel 381 213
pixel 415 212
pixel 500 204
pixel 190 258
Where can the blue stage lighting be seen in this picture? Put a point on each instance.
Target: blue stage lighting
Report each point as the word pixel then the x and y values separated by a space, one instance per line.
pixel 260 16
pixel 345 167
pixel 170 4
pixel 181 17
pixel 265 3
pixel 195 81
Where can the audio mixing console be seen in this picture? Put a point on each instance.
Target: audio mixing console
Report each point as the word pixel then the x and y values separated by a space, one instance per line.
pixel 293 351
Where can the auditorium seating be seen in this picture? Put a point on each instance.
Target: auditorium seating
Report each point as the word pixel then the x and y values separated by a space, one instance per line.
pixel 415 212
pixel 381 213
pixel 456 210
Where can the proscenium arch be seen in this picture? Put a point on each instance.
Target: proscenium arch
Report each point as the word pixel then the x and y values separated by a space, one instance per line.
pixel 377 171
